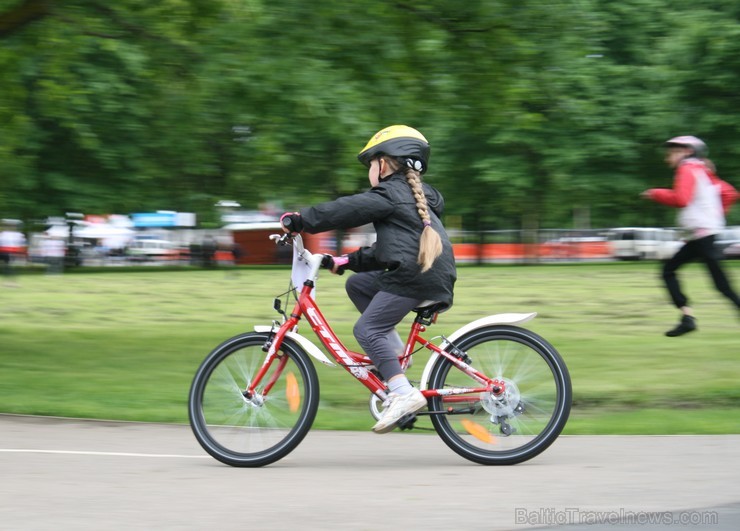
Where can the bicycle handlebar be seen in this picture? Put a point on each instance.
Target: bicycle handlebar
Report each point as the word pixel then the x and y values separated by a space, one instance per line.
pixel 281 239
pixel 303 254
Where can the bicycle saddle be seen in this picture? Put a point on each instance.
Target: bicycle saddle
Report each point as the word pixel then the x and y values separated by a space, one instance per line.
pixel 428 308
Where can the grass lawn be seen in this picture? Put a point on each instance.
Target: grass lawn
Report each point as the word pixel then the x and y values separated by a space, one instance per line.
pixel 125 344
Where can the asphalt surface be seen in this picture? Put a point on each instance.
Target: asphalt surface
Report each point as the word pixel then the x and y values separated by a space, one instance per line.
pixel 59 474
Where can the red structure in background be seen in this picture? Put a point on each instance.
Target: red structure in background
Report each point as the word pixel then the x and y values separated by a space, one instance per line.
pixel 255 245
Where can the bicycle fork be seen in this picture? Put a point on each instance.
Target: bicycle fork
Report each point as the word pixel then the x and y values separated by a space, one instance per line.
pixel 271 347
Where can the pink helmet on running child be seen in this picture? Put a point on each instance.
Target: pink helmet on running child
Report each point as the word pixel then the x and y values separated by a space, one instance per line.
pixel 697 144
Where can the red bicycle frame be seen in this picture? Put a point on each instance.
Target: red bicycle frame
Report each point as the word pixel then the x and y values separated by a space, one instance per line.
pixel 360 365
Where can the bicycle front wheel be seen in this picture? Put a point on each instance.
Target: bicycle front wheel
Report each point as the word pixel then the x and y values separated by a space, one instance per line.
pixel 517 424
pixel 258 429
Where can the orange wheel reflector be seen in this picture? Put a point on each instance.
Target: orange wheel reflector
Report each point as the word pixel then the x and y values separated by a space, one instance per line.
pixel 292 393
pixel 478 431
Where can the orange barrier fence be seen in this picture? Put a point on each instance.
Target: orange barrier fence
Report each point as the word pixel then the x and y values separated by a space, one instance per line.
pixel 592 250
pixel 493 252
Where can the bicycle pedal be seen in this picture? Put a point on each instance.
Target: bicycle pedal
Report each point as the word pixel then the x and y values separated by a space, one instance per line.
pixel 406 422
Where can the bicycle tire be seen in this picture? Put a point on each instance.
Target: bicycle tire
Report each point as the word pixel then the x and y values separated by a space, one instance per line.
pixel 525 420
pixel 251 433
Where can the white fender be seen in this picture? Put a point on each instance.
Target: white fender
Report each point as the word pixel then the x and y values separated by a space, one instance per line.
pixel 306 344
pixel 490 320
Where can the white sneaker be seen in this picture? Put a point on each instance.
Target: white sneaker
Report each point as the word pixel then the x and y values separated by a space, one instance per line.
pixel 396 407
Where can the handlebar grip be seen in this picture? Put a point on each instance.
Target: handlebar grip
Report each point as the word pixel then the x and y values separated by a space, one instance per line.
pixel 291 221
pixel 327 262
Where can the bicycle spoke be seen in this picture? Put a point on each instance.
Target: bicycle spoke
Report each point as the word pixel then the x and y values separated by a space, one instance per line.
pixel 252 428
pixel 521 420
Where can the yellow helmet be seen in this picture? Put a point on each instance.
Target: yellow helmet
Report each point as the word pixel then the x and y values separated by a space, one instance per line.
pixel 400 141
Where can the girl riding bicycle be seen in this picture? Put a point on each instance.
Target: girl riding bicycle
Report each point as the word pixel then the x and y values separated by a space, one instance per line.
pixel 410 265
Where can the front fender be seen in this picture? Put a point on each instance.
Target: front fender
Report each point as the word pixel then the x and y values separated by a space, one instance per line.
pixel 490 320
pixel 306 344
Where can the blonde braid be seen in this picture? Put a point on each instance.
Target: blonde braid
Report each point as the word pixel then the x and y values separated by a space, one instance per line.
pixel 430 244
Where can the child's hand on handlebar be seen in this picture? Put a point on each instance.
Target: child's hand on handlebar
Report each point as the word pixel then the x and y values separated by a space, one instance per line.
pixel 336 264
pixel 291 222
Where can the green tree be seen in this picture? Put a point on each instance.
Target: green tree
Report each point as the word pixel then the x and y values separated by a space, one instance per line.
pixel 539 114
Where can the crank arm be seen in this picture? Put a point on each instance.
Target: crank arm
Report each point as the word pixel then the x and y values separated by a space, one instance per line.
pixel 462 411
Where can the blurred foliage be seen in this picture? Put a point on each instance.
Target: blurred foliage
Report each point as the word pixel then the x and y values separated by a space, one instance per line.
pixel 536 111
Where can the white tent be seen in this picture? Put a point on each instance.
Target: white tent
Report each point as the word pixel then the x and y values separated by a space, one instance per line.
pixel 111 236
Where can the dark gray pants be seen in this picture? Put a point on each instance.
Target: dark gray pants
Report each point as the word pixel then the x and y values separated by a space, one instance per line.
pixel 375 331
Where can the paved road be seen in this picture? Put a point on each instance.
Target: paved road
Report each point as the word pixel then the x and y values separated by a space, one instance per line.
pixel 59 474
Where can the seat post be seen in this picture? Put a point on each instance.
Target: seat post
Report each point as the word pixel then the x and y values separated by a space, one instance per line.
pixel 427 315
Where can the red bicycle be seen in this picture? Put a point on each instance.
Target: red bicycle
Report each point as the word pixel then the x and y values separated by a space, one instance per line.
pixel 498 394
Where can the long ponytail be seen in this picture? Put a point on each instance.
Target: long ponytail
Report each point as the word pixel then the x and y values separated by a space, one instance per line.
pixel 430 243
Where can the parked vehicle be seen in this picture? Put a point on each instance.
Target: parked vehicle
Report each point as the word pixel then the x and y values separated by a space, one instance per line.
pixel 643 243
pixel 732 251
pixel 728 242
pixel 152 250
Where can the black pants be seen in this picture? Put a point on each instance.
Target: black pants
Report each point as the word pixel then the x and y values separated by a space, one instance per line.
pixel 375 331
pixel 702 249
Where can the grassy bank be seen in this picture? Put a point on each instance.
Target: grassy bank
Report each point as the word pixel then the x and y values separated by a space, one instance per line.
pixel 125 345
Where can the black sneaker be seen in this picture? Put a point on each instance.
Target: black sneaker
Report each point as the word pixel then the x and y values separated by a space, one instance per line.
pixel 687 324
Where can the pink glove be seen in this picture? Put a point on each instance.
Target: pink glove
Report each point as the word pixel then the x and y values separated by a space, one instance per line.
pixel 337 264
pixel 291 222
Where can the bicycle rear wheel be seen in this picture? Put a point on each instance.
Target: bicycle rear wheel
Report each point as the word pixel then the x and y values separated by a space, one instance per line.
pixel 520 423
pixel 257 430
